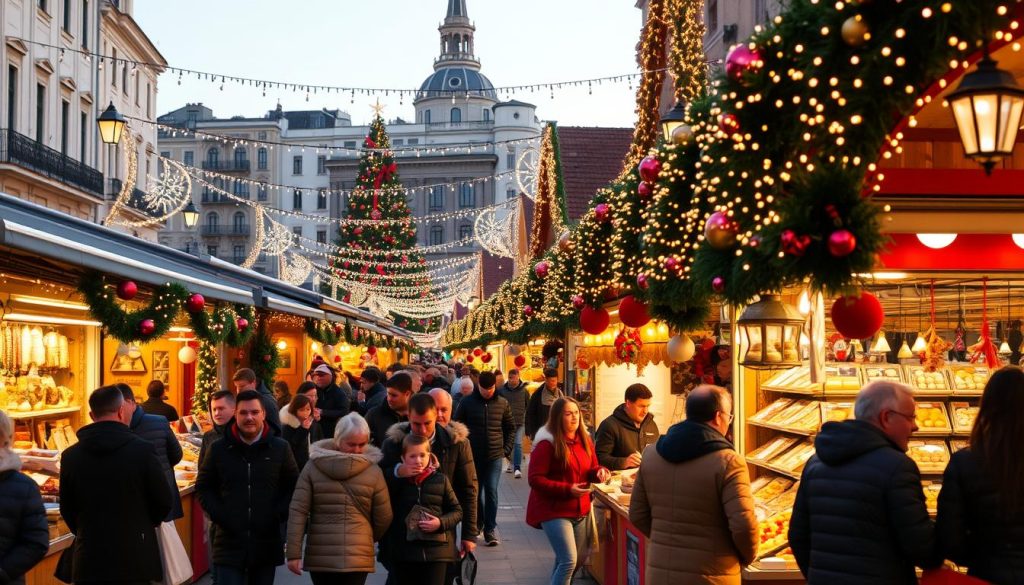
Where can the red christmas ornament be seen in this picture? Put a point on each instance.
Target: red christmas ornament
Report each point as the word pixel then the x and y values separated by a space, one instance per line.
pixel 718 284
pixel 147 327
pixel 729 123
pixel 645 190
pixel 469 359
pixel 577 302
pixel 672 264
pixel 127 289
pixel 793 244
pixel 542 268
pixel 338 329
pixel 742 59
pixel 611 293
pixel 337 359
pixel 519 361
pixel 486 358
pixel 389 239
pixel 594 320
pixel 641 281
pixel 842 243
pixel 857 317
pixel 266 357
pixel 649 168
pixel 242 323
pixel 528 310
pixel 195 303
pixel 372 350
pixel 633 312
pixel 358 230
pixel 602 212
pixel 477 352
pixel 376 215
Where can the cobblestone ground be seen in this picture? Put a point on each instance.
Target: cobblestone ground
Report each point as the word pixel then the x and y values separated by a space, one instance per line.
pixel 523 557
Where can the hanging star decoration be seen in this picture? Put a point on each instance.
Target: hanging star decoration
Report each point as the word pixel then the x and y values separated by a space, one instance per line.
pixel 378 109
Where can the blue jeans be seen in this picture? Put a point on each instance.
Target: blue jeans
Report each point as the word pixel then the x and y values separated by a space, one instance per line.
pixel 564 534
pixel 487 474
pixel 517 450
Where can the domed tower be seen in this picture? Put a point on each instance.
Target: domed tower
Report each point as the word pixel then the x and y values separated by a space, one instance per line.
pixel 456 92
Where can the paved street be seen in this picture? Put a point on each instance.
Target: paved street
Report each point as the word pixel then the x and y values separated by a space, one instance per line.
pixel 523 557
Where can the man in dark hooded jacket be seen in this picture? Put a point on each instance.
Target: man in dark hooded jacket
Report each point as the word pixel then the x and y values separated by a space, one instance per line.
pixel 371 391
pixel 155 429
pixel 222 412
pixel 245 379
pixel 331 399
pixel 860 514
pixel 692 498
pixel 622 437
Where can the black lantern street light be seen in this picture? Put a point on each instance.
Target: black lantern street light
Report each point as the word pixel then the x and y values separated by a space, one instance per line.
pixel 987 108
pixel 191 215
pixel 111 124
pixel 673 119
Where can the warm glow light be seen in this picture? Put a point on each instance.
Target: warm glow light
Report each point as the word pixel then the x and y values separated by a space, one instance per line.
pixel 936 241
pixel 905 352
pixel 180 330
pixel 282 344
pixel 50 303
pixel 883 275
pixel 345 348
pixel 882 344
pixel 919 344
pixel 1004 348
pixel 804 304
pixel 25 318
pixel 314 346
pixel 1019 240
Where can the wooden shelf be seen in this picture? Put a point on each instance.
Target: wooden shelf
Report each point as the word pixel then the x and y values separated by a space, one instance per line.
pixel 18 415
pixel 778 470
pixel 802 432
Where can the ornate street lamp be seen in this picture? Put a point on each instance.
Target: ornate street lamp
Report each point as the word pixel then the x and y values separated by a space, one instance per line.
pixel 771 329
pixel 987 108
pixel 191 215
pixel 111 124
pixel 673 119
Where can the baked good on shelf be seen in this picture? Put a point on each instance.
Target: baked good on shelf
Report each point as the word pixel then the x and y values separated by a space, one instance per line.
pixel 836 411
pixel 767 488
pixel 963 415
pixel 931 495
pixel 969 378
pixel 771 449
pixel 927 382
pixel 773 532
pixel 931 417
pixel 931 456
pixel 771 410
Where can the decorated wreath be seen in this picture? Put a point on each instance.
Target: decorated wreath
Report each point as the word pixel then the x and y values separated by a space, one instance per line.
pixel 232 325
pixel 628 345
pixel 141 325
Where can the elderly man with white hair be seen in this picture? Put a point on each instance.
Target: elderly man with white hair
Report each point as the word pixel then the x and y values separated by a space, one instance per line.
pixel 860 514
pixel 443 400
pixel 462 387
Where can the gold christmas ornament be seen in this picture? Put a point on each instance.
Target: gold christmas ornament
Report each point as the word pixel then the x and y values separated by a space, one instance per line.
pixel 855 31
pixel 682 135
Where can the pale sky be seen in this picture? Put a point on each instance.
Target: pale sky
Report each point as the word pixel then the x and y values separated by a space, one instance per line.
pixel 393 43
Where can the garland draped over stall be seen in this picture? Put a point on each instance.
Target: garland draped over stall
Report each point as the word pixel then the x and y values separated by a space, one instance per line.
pixel 222 325
pixel 138 326
pixel 206 377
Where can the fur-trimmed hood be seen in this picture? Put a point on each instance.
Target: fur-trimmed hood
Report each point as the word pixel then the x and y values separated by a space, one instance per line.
pixel 543 434
pixel 456 431
pixel 288 419
pixel 341 466
pixel 9 461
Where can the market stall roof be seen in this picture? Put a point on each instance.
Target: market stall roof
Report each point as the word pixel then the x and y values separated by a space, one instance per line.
pixel 591 159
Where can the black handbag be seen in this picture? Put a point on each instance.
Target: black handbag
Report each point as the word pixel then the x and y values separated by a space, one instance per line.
pixel 467 570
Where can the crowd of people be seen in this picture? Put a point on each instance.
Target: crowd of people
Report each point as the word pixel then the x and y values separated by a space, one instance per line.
pixel 402 468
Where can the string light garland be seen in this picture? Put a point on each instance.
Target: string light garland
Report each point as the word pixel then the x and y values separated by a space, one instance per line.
pixel 206 377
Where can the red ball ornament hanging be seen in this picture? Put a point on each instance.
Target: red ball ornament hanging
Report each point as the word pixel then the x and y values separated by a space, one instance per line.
pixel 633 312
pixel 672 264
pixel 266 357
pixel 718 284
pixel 842 243
pixel 793 244
pixel 742 59
pixel 338 329
pixel 147 327
pixel 541 269
pixel 594 320
pixel 376 215
pixel 642 282
pixel 645 191
pixel 371 349
pixel 857 317
pixel 519 361
pixel 195 303
pixel 603 212
pixel 127 289
pixel 358 230
pixel 486 358
pixel 528 310
pixel 242 323
pixel 578 302
pixel 729 123
pixel 477 351
pixel 337 359
pixel 649 168
pixel 469 359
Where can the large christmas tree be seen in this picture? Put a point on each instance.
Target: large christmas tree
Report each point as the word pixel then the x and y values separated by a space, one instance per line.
pixel 377 263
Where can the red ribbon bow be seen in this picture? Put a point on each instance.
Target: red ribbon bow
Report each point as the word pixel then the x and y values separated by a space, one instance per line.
pixel 384 174
pixel 794 244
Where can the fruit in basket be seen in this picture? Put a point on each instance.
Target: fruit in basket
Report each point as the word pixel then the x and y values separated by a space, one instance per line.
pixel 773 532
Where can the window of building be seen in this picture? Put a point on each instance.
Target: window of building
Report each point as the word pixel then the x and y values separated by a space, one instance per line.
pixel 165 153
pixel 239 188
pixel 321 236
pixel 238 254
pixel 261 135
pixel 212 219
pixel 297 199
pixel 138 81
pixel 426 116
pixel 149 100
pixel 321 165
pixel 510 193
pixel 465 231
pixel 83 136
pixel 42 5
pixel 296 233
pixel 212 251
pixel 436 202
pixel 321 199
pixel 350 144
pixel 241 157
pixel 412 141
pixel 510 159
pixel 189 158
pixel 213 157
pixel 456 115
pixel 12 97
pixel 85 24
pixel 238 222
pixel 40 112
pixel 761 11
pixel 296 165
pixel 436 235
pixel 467 195
pixel 65 123
pixel 67 16
pixel 398 142
pixel 487 114
pixel 261 192
pixel 261 159
pixel 124 79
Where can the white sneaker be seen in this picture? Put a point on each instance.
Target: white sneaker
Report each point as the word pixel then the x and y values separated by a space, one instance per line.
pixel 518 474
pixel 508 467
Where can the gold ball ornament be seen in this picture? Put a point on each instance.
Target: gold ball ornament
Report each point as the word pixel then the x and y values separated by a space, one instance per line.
pixel 855 31
pixel 682 135
pixel 721 231
pixel 565 243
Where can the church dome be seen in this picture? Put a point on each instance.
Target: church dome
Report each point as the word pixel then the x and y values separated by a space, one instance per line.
pixel 459 81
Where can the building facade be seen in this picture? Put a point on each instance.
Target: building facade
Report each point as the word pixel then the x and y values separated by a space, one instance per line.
pixel 54 89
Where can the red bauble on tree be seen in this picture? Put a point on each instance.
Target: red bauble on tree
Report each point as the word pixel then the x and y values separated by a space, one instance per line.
pixel 742 59
pixel 338 329
pixel 542 268
pixel 633 312
pixel 649 169
pixel 147 327
pixel 127 289
pixel 470 358
pixel 842 243
pixel 793 244
pixel 594 320
pixel 642 282
pixel 478 352
pixel 645 191
pixel 528 310
pixel 371 349
pixel 519 361
pixel 729 123
pixel 242 323
pixel 578 302
pixel 486 358
pixel 603 212
pixel 672 265
pixel 857 317
pixel 718 284
pixel 195 303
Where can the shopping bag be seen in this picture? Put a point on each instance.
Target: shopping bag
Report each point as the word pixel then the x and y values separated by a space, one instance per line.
pixel 467 570
pixel 947 576
pixel 177 566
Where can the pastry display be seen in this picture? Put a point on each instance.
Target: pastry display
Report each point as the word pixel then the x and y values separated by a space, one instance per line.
pixel 796 379
pixel 963 415
pixel 968 379
pixel 842 378
pixel 932 419
pixel 772 533
pixel 889 372
pixel 766 489
pixel 801 415
pixel 925 382
pixel 793 461
pixel 771 449
pixel 765 414
pixel 931 495
pixel 836 411
pixel 785 501
pixel 957 444
pixel 931 456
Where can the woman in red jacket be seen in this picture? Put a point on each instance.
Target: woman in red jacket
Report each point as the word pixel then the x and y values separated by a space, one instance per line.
pixel 562 466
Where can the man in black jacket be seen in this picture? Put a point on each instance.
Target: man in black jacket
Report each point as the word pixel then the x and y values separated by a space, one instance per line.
pixel 514 390
pixel 156 430
pixel 432 378
pixel 541 401
pixel 395 408
pixel 330 399
pixel 371 392
pixel 113 495
pixel 156 393
pixel 622 437
pixel 245 379
pixel 860 514
pixel 245 485
pixel 222 411
pixel 492 433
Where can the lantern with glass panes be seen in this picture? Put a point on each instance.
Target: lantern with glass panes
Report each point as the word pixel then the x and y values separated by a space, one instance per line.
pixel 770 330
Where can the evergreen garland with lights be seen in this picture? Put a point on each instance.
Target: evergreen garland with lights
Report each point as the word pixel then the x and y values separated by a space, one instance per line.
pixel 264 359
pixel 222 325
pixel 206 377
pixel 139 326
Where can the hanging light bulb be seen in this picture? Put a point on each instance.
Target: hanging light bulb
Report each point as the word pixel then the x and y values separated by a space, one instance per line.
pixel 905 352
pixel 1004 348
pixel 919 344
pixel 881 344
pixel 804 304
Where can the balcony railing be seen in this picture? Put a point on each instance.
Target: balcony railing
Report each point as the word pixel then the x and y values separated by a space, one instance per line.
pixel 225 230
pixel 229 166
pixel 25 152
pixel 214 197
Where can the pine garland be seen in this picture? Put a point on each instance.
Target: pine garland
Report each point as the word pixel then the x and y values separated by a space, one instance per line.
pixel 264 357
pixel 206 377
pixel 124 326
pixel 221 326
pixel 324 332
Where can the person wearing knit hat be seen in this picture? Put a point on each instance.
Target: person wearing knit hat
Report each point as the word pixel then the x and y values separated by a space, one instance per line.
pixel 331 400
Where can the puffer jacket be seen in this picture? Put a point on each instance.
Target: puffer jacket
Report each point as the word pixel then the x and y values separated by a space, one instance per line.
pixel 155 429
pixel 209 437
pixel 435 494
pixel 24 535
pixel 551 482
pixel 539 407
pixel 451 447
pixel 692 498
pixel 974 528
pixel 246 490
pixel 298 438
pixel 269 403
pixel 492 431
pixel 343 499
pixel 618 437
pixel 860 514
pixel 518 399
pixel 380 419
pixel 334 404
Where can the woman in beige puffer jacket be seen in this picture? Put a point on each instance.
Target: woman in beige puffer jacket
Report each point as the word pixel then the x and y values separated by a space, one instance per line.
pixel 342 497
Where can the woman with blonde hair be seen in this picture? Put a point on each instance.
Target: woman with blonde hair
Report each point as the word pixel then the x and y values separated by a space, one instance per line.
pixel 341 506
pixel 24 535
